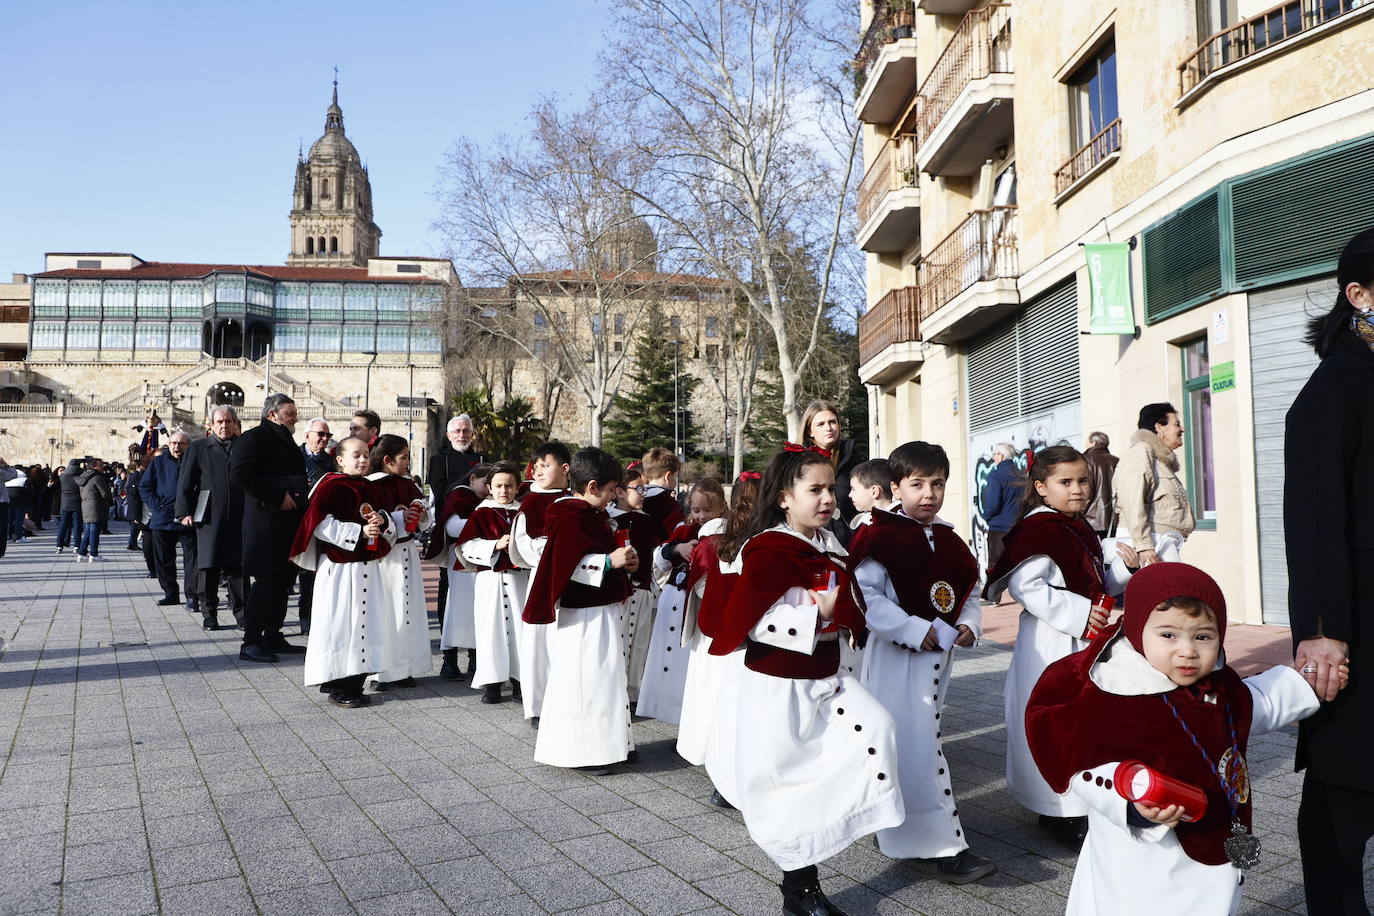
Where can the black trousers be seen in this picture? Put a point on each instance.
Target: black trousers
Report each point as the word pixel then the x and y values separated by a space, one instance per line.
pixel 305 582
pixel 149 550
pixel 1334 824
pixel 165 559
pixel 207 580
pixel 5 510
pixel 996 544
pixel 266 607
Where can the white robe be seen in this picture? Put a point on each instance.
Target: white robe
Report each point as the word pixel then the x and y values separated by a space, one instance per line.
pixel 705 672
pixel 811 763
pixel 533 640
pixel 585 719
pixel 347 596
pixel 1135 871
pixel 408 649
pixel 636 624
pixel 911 686
pixel 498 601
pixel 665 667
pixel 458 629
pixel 1050 628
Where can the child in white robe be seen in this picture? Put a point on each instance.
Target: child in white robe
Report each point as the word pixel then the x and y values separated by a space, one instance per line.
pixel 499 597
pixel 408 649
pixel 550 468
pixel 457 631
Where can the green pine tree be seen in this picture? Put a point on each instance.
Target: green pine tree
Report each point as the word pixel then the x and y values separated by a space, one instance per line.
pixel 642 415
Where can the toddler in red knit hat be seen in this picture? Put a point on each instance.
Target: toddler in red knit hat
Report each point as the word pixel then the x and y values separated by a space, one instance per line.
pixel 1150 711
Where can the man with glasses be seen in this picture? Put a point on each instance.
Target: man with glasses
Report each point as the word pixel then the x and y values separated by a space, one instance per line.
pixel 448 468
pixel 318 459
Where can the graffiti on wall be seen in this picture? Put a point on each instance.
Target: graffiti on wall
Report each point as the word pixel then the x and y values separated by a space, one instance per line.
pixel 1061 426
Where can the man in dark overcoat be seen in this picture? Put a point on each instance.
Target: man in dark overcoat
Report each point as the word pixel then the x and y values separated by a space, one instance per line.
pixel 207 502
pixel 266 465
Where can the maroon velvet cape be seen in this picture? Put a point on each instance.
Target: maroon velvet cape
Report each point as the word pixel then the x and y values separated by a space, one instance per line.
pixel 460 501
pixel 1073 725
pixel 706 565
pixel 396 492
pixel 663 509
pixel 773 562
pixel 917 572
pixel 684 533
pixel 575 528
pixel 489 523
pixel 1066 541
pixel 341 496
pixel 644 538
pixel 534 507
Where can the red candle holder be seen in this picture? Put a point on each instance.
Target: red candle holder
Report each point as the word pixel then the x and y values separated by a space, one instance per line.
pixel 1136 782
pixel 365 510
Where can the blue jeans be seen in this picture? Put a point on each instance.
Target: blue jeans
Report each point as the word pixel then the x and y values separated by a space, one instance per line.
pixel 17 522
pixel 68 527
pixel 90 540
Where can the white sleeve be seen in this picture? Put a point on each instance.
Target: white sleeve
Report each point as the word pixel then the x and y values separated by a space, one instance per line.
pixel 591 569
pixel 454 526
pixel 528 550
pixel 1281 695
pixel 340 534
pixel 478 552
pixel 791 623
pixel 1038 586
pixel 972 615
pixel 884 615
pixel 1101 796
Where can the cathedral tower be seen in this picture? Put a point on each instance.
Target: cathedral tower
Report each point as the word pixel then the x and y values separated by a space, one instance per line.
pixel 331 210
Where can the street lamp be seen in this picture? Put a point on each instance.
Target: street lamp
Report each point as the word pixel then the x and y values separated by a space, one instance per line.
pixel 367 386
pixel 677 445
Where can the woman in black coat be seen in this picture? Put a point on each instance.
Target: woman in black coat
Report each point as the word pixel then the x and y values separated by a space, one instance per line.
pixel 821 429
pixel 1329 531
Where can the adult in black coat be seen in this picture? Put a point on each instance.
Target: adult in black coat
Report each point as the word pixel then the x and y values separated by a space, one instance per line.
pixel 158 488
pixel 821 429
pixel 448 468
pixel 69 506
pixel 207 502
pixel 1328 516
pixel 266 465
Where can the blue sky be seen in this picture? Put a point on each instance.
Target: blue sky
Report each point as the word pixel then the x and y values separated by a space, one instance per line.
pixel 170 129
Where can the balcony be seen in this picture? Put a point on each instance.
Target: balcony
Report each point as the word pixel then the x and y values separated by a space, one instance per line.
pixel 1287 24
pixel 889 337
pixel 968 280
pixel 889 205
pixel 885 68
pixel 964 108
pixel 946 7
pixel 1097 153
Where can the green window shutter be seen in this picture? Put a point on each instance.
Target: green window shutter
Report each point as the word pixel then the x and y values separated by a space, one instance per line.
pixel 1182 257
pixel 1292 220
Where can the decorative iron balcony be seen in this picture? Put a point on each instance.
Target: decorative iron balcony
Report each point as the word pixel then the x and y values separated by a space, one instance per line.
pixel 983 247
pixel 895 318
pixel 980 47
pixel 1086 158
pixel 894 169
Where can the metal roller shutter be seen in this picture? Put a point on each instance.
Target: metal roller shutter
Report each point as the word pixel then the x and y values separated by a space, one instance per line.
pixel 1280 364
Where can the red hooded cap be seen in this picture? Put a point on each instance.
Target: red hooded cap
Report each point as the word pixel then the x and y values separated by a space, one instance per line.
pixel 1156 584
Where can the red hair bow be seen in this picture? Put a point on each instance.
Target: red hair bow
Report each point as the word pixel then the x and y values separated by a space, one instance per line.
pixel 794 447
pixel 634 464
pixel 750 475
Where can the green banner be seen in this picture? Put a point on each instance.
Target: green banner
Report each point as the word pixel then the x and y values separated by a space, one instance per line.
pixel 1109 286
pixel 1224 377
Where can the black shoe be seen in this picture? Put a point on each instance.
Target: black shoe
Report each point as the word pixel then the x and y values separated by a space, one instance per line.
pixel 279 644
pixel 534 723
pixel 963 868
pixel 193 607
pixel 808 901
pixel 168 602
pixel 347 700
pixel 381 686
pixel 632 755
pixel 406 682
pixel 719 801
pixel 256 653
pixel 515 693
pixel 1071 831
pixel 209 623
pixel 597 769
pixel 132 547
pixel 449 672
pixel 491 693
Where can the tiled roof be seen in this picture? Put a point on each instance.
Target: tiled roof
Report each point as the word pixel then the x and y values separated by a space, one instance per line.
pixel 162 270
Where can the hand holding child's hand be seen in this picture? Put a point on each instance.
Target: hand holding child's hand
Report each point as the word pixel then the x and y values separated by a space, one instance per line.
pixel 503 542
pixel 825 602
pixel 1168 817
pixel 1128 554
pixel 966 637
pixel 624 558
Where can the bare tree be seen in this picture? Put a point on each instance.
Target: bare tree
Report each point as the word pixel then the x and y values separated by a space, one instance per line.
pixel 752 141
pixel 548 216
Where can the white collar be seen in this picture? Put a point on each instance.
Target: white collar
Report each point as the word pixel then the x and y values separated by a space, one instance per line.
pixel 714 526
pixel 493 504
pixel 538 489
pixel 1121 670
pixel 824 541
pixel 896 509
pixel 654 489
pixel 377 475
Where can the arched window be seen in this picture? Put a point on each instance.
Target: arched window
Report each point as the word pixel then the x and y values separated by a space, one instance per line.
pixel 333 244
pixel 310 245
pixel 325 192
pixel 321 244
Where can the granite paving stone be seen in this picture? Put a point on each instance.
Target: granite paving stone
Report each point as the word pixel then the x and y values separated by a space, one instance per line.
pixel 169 778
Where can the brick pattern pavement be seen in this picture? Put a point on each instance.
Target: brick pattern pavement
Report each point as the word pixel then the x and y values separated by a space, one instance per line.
pixel 148 770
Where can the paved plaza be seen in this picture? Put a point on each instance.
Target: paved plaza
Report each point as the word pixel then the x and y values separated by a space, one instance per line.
pixel 148 770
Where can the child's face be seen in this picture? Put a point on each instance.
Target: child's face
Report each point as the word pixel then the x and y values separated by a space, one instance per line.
pixel 861 496
pixel 400 465
pixel 1068 487
pixel 550 473
pixel 598 495
pixel 1182 647
pixel 921 494
pixel 810 501
pixel 503 487
pixel 702 509
pixel 631 495
pixel 352 458
pixel 478 485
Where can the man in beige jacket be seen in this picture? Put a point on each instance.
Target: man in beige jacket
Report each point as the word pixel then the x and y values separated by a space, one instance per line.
pixel 1150 497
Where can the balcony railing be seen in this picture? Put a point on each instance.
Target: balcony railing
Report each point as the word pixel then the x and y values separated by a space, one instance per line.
pixel 894 169
pixel 980 47
pixel 895 318
pixel 1259 33
pixel 891 19
pixel 1086 159
pixel 983 247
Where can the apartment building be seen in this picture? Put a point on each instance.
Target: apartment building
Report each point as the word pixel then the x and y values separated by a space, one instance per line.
pixel 1228 143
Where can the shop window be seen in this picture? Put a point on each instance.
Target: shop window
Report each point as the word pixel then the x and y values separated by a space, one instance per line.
pixel 1198 450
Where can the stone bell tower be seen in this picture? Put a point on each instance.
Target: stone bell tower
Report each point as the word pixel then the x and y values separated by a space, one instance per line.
pixel 331 209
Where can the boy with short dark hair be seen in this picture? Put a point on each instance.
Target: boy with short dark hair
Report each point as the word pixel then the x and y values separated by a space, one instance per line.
pixel 550 467
pixel 870 487
pixel 919 580
pixel 577 596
